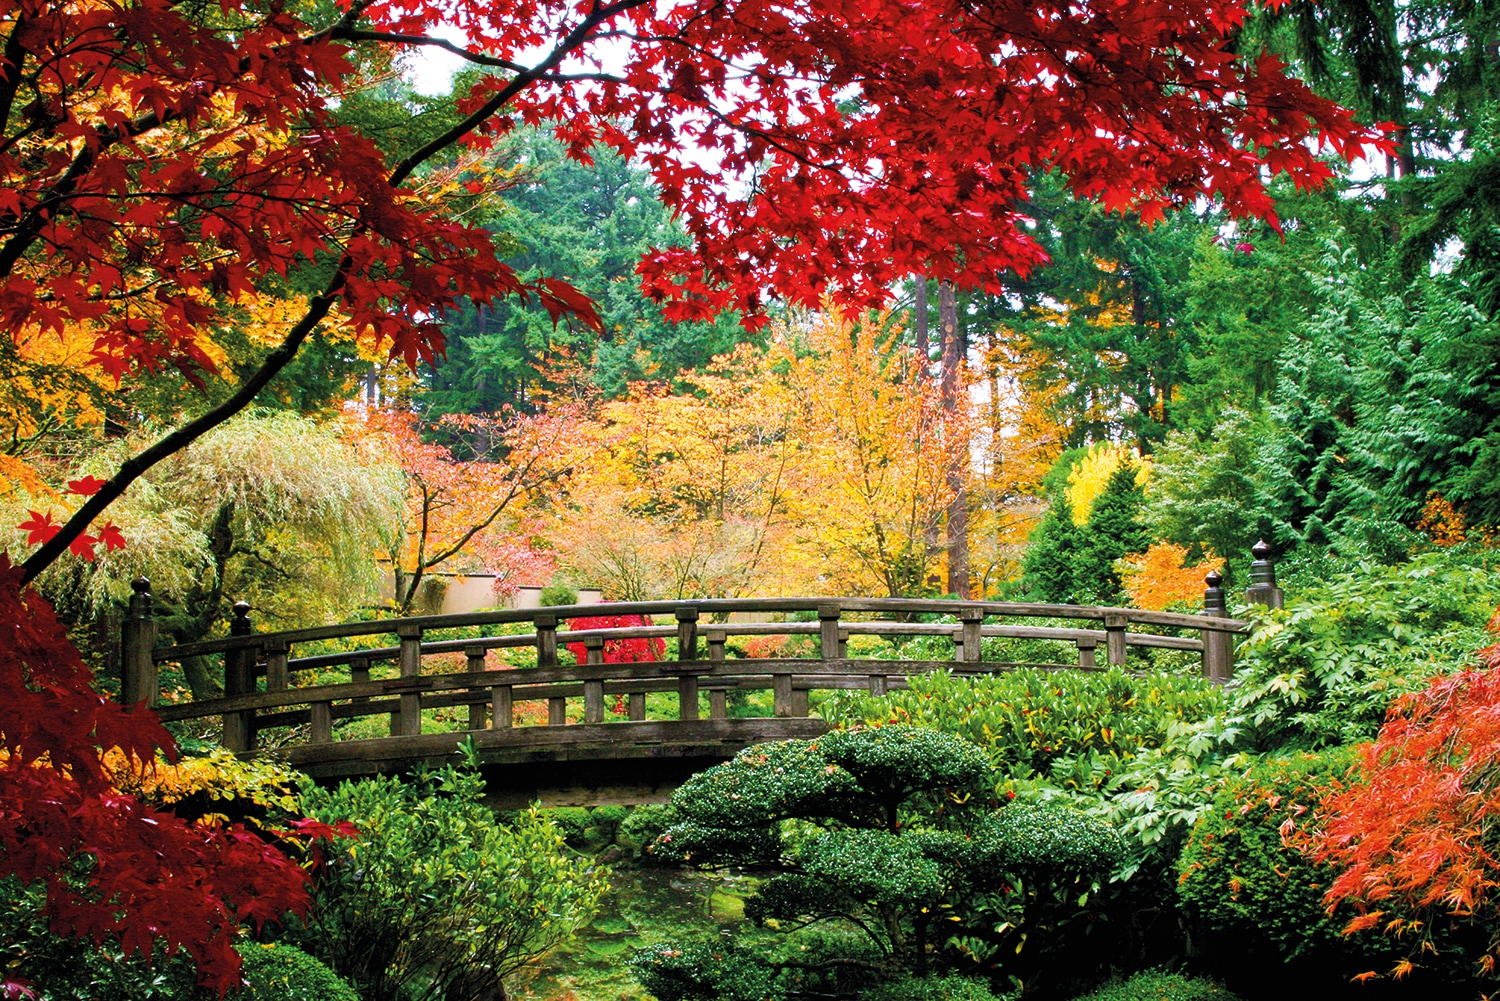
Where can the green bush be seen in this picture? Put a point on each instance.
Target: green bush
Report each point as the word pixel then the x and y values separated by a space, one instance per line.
pixel 558 594
pixel 1256 897
pixel 875 831
pixel 937 989
pixel 704 971
pixel 437 899
pixel 277 972
pixel 1158 985
pixel 1321 672
pixel 642 826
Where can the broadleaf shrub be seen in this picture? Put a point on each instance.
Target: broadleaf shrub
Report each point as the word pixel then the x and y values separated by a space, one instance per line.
pixel 1160 985
pixel 437 899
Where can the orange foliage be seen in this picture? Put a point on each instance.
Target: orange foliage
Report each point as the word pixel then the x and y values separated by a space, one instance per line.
pixel 1413 833
pixel 1441 521
pixel 1159 577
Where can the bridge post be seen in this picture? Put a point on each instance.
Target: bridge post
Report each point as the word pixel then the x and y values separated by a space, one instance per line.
pixel 546 639
pixel 828 631
pixel 687 649
pixel 239 679
pixel 972 647
pixel 1114 637
pixel 474 664
pixel 138 673
pixel 593 688
pixel 1218 648
pixel 407 721
pixel 278 678
pixel 1086 648
pixel 1263 589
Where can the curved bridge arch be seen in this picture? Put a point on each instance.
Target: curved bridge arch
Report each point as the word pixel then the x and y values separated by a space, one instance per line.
pixel 585 752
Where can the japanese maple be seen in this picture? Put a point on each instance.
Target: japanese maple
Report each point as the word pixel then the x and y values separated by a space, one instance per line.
pixel 1413 829
pixel 621 651
pixel 113 866
pixel 160 163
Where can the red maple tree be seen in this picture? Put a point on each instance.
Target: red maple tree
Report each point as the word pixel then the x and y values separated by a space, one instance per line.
pixel 621 651
pixel 113 866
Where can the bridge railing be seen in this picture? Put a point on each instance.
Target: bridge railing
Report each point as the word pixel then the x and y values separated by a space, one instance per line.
pixel 259 667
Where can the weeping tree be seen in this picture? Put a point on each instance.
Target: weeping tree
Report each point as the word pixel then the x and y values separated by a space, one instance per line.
pixel 272 508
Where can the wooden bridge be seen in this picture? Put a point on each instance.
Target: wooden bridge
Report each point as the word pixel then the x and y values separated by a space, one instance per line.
pixel 595 740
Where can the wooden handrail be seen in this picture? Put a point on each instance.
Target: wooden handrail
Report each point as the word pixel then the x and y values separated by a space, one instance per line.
pixel 713 606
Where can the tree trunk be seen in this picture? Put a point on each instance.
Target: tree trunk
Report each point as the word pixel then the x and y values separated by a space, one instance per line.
pixel 955 353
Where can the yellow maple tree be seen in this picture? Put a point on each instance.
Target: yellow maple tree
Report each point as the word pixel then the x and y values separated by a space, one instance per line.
pixel 1160 578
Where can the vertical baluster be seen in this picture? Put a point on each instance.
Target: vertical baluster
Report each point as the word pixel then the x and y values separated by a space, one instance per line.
pixel 971 619
pixel 322 721
pixel 718 705
pixel 1086 647
pixel 877 684
pixel 502 715
pixel 138 673
pixel 546 656
pixel 828 631
pixel 1114 637
pixel 359 674
pixel 781 695
pixel 474 664
pixel 687 650
pixel 278 678
pixel 593 688
pixel 407 722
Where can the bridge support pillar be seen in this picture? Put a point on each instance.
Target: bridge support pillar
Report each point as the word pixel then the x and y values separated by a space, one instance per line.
pixel 687 650
pixel 969 635
pixel 593 688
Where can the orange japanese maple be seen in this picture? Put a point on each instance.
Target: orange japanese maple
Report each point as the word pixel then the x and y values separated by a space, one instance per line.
pixel 1413 832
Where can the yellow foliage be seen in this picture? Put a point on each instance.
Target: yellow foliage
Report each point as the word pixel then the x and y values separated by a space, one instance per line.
pixel 228 787
pixel 1089 478
pixel 1158 578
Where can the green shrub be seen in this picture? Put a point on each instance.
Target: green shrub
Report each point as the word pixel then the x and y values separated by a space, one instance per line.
pixel 937 989
pixel 1256 897
pixel 437 898
pixel 642 826
pixel 874 831
pixel 277 972
pixel 705 971
pixel 558 594
pixel 1322 671
pixel 1158 985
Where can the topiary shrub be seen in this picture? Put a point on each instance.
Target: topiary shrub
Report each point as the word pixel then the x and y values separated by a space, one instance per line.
pixel 876 832
pixel 274 971
pixel 1159 985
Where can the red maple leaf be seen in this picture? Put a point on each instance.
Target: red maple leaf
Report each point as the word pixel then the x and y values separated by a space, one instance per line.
pixel 86 487
pixel 112 537
pixel 83 547
pixel 38 528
